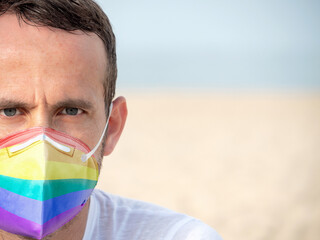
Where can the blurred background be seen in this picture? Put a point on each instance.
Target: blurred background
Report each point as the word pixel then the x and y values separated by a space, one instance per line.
pixel 224 113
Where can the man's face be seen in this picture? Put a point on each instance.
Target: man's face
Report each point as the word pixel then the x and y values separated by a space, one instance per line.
pixel 51 78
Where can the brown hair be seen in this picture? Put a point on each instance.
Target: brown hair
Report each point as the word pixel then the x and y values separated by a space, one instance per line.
pixel 71 15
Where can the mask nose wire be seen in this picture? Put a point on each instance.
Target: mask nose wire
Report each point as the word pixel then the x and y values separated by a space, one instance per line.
pixel 85 157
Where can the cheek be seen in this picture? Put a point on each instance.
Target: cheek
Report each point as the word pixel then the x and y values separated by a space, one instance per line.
pixel 5 130
pixel 90 132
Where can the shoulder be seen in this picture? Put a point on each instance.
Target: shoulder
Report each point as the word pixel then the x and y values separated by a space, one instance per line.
pixel 196 230
pixel 133 219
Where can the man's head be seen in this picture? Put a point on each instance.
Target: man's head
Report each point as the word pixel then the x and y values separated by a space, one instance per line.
pixel 70 15
pixel 58 69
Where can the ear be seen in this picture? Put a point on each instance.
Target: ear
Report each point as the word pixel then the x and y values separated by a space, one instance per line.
pixel 116 124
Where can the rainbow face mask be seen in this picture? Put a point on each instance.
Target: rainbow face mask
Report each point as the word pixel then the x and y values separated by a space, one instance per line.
pixel 46 177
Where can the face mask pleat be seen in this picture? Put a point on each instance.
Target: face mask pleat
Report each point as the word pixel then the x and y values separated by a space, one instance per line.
pixel 43 190
pixel 28 208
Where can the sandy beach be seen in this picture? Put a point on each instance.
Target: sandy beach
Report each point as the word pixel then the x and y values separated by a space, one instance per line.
pixel 246 164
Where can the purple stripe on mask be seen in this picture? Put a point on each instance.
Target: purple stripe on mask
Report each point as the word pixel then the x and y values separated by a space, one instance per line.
pixel 17 225
pixel 38 211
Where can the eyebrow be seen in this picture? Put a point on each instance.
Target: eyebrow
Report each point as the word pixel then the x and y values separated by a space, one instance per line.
pixel 77 103
pixel 8 103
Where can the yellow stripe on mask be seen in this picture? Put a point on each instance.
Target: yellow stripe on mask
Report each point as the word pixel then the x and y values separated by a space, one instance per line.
pixel 29 170
pixel 74 156
pixel 75 159
pixel 42 161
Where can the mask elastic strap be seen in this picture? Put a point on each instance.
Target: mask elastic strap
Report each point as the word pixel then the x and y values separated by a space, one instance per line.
pixel 85 157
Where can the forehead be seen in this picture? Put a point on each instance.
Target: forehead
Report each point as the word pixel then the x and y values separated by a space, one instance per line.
pixel 21 43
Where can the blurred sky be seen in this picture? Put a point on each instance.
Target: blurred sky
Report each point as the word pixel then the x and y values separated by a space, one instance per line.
pixel 210 44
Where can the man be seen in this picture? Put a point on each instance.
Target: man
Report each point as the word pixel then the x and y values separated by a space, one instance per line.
pixel 57 80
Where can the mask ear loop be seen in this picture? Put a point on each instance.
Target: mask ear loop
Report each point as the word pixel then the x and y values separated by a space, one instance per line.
pixel 85 157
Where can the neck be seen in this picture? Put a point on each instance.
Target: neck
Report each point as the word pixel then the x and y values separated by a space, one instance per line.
pixel 75 228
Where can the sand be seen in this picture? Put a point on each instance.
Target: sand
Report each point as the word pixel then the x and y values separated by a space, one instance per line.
pixel 246 164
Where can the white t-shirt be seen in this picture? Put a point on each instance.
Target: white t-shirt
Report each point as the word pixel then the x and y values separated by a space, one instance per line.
pixel 116 218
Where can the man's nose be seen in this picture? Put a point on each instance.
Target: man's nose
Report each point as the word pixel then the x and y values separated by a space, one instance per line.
pixel 40 118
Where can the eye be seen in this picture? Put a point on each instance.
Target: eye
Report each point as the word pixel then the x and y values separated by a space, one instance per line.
pixel 72 111
pixel 9 112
